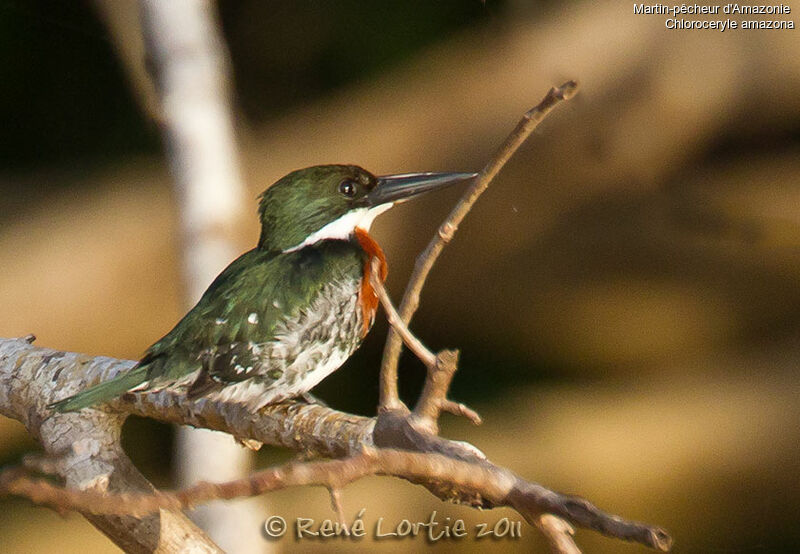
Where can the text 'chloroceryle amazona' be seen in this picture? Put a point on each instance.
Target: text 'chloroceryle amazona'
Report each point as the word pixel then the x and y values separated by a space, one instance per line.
pixel 288 313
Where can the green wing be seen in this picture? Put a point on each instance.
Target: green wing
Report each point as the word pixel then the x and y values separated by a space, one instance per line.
pixel 245 304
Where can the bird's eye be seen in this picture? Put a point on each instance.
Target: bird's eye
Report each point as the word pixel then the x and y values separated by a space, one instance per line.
pixel 348 188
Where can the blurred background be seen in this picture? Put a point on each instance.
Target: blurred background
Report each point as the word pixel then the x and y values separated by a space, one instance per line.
pixel 625 296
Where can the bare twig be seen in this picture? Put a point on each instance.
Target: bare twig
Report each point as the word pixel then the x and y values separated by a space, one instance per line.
pixel 441 367
pixel 336 504
pixel 389 399
pixel 459 409
pixel 414 344
pixel 434 393
pixel 497 486
pixel 558 533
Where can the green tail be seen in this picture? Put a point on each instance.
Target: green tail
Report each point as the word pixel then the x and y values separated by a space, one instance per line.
pixel 102 392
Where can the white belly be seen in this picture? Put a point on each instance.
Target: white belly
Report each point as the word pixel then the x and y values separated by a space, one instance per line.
pixel 308 348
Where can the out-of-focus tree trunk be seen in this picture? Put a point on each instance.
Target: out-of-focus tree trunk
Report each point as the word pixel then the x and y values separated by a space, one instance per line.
pixel 189 64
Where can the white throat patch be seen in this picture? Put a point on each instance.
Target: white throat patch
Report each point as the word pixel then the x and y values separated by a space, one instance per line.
pixel 345 226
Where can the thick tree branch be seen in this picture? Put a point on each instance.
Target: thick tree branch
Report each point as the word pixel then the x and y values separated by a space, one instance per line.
pixel 389 444
pixel 389 398
pixel 84 449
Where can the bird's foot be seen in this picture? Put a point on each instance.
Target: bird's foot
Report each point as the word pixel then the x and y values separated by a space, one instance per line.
pixel 252 444
pixel 309 398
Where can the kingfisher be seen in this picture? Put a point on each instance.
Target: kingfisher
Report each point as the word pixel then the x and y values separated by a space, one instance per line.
pixel 286 314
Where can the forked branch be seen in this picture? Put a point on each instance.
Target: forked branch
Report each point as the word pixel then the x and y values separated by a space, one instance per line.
pixel 31 377
pixel 441 368
pixel 389 398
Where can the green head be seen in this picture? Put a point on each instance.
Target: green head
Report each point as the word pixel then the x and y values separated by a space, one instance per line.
pixel 330 201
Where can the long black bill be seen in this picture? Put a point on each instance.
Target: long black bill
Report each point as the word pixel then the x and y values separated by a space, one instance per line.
pixel 398 188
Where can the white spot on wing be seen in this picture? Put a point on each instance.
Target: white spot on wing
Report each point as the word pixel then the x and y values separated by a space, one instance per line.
pixel 335 308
